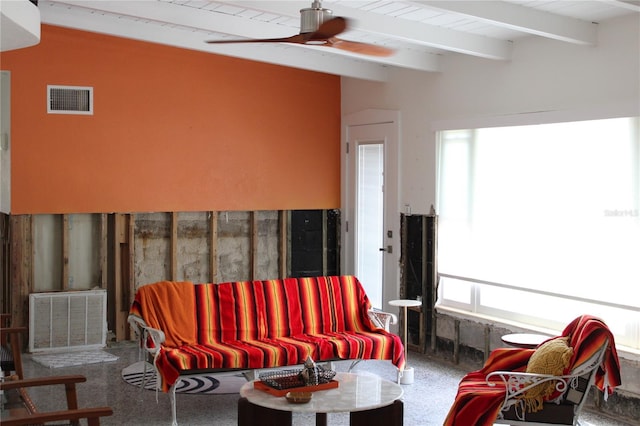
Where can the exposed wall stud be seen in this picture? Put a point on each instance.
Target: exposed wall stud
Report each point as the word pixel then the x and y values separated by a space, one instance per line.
pixel 254 238
pixel 426 307
pixel 21 271
pixel 436 281
pixel 103 260
pixel 324 242
pixel 65 251
pixel 174 246
pixel 123 281
pixel 5 262
pixel 32 254
pixel 283 216
pixel 456 341
pixel 487 341
pixel 213 244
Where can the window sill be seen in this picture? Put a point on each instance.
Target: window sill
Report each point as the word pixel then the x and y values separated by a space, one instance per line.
pixel 624 352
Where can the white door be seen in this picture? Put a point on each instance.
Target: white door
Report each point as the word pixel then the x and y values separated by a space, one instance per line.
pixel 5 153
pixel 371 232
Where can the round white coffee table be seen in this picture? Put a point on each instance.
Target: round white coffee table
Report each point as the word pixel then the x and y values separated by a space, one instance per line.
pixel 407 374
pixel 355 393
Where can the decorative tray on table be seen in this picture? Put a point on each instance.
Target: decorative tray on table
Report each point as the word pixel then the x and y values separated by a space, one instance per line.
pixel 279 383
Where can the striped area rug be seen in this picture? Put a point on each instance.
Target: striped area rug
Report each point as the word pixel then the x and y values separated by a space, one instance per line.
pixel 135 374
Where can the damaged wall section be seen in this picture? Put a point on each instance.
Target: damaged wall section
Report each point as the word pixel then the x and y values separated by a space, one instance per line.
pixel 135 249
pixel 152 255
pixel 232 246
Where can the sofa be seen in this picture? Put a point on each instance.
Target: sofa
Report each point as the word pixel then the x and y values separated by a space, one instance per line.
pixel 192 329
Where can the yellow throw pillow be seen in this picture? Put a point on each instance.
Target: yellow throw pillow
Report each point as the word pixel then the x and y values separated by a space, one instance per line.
pixel 552 357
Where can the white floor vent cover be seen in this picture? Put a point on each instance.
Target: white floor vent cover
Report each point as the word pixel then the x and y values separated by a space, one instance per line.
pixel 67 320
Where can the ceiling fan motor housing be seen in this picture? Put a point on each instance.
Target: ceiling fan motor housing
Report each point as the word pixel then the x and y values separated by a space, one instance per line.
pixel 311 18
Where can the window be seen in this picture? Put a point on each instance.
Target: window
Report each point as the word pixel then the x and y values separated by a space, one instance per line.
pixel 370 220
pixel 539 224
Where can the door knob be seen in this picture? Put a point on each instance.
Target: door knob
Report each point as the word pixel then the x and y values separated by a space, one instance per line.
pixel 388 249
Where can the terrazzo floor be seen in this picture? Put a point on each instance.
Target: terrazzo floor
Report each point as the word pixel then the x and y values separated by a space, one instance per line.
pixel 426 401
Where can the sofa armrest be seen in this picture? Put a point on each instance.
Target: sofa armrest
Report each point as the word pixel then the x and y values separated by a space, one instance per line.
pixel 572 387
pixel 518 383
pixel 382 319
pixel 42 381
pixel 72 413
pixel 150 338
pixel 91 414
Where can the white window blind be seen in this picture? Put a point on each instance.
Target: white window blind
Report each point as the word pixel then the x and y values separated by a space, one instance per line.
pixel 539 224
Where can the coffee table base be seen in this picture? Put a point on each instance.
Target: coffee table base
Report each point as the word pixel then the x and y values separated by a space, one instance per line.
pixel 392 414
pixel 250 414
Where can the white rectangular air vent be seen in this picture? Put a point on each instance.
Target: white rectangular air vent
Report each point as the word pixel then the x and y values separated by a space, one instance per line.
pixel 70 319
pixel 69 100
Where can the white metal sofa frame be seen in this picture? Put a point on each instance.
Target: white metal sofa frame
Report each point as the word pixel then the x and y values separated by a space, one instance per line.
pixel 146 335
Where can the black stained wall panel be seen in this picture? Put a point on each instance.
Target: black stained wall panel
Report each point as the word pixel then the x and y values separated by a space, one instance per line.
pixel 314 239
pixel 418 269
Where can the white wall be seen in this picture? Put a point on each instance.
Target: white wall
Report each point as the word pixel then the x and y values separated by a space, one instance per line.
pixel 545 80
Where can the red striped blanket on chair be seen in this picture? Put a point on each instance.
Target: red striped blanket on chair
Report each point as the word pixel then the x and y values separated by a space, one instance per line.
pixel 477 403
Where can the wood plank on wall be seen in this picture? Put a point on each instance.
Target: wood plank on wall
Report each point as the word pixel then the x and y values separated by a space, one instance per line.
pixel 253 237
pixel 123 248
pixel 21 273
pixel 173 237
pixel 213 244
pixel 103 249
pixel 283 243
pixel 65 252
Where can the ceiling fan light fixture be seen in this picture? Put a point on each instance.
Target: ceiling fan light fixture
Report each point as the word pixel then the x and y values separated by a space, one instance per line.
pixel 312 17
pixel 318 27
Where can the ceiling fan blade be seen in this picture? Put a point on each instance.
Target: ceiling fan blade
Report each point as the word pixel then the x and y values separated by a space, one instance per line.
pixel 361 48
pixel 298 38
pixel 328 29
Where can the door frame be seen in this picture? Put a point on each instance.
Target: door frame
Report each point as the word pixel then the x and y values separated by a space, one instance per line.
pixel 391 279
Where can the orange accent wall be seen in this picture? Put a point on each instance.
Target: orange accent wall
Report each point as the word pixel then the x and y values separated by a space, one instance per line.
pixel 172 130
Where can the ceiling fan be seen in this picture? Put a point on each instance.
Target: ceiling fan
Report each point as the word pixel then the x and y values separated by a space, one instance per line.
pixel 318 27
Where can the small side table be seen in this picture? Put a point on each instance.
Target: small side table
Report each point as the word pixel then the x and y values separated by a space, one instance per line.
pixel 524 340
pixel 407 375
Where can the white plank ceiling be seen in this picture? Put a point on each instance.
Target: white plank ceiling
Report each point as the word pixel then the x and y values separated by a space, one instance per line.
pixel 420 32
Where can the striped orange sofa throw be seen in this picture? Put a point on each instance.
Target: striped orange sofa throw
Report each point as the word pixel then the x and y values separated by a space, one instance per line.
pixel 479 403
pixel 264 324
